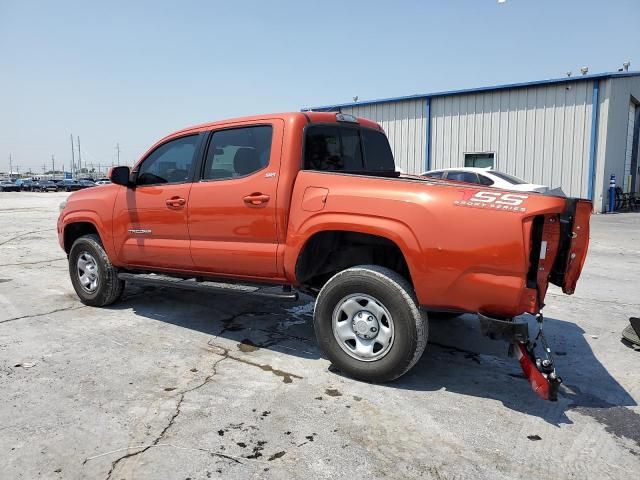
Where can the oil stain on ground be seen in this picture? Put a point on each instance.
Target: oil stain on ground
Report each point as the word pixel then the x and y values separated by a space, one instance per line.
pixel 247 346
pixel 333 392
pixel 286 376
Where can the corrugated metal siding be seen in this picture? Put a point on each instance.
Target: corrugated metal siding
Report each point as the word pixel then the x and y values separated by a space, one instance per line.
pixel 405 125
pixel 612 142
pixel 540 133
pixel 629 147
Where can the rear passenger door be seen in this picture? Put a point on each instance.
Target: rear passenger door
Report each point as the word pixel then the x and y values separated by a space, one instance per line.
pixel 233 205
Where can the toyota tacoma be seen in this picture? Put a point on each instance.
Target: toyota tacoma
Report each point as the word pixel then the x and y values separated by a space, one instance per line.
pixel 311 201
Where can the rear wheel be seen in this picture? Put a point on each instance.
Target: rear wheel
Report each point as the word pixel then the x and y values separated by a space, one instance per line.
pixel 368 323
pixel 94 278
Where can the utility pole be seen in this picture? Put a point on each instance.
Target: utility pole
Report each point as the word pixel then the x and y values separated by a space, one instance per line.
pixel 53 166
pixel 44 168
pixel 118 152
pixel 79 155
pixel 10 165
pixel 73 160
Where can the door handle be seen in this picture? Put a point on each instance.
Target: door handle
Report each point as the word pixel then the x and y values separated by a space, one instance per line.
pixel 175 202
pixel 256 199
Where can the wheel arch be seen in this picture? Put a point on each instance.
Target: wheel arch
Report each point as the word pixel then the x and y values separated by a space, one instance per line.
pixel 364 239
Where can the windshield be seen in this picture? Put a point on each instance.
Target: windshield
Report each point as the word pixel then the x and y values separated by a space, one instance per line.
pixel 508 178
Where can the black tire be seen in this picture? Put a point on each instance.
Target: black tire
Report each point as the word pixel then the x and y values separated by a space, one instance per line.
pixel 393 292
pixel 109 287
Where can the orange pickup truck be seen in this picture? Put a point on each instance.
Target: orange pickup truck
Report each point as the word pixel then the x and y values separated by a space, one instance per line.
pixel 312 202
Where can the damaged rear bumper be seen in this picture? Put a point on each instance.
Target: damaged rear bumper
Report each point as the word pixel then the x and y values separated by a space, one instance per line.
pixel 539 371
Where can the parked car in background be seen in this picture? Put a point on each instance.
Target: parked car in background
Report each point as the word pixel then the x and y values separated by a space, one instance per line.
pixel 103 181
pixel 6 186
pixel 24 184
pixel 69 185
pixel 487 177
pixel 84 183
pixel 45 186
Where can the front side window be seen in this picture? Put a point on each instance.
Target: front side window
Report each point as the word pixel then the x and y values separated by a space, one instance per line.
pixel 238 152
pixel 434 174
pixel 171 162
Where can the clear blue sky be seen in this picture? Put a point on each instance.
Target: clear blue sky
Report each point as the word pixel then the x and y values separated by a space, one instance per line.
pixel 130 72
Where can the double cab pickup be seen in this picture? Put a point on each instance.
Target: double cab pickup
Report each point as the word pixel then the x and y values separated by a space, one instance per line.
pixel 312 202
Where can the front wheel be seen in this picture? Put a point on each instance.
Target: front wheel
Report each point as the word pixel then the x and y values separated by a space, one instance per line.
pixel 368 322
pixel 94 278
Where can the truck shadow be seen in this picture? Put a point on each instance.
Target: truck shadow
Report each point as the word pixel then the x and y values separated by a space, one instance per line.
pixel 458 358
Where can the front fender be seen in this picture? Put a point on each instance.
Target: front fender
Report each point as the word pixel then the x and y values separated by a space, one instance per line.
pixel 88 216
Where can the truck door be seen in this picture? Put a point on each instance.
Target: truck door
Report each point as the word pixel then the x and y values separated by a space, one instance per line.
pixel 150 225
pixel 232 208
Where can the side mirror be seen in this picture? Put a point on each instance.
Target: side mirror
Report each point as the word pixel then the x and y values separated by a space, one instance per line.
pixel 120 176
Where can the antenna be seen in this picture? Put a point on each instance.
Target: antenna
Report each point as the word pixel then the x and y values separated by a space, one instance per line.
pixel 584 70
pixel 568 73
pixel 355 99
pixel 626 65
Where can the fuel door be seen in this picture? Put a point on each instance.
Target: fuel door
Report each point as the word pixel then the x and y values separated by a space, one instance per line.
pixel 314 199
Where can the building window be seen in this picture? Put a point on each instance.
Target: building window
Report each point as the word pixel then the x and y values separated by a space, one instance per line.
pixel 479 160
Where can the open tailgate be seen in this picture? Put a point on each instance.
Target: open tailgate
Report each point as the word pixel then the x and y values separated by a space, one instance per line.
pixel 574 241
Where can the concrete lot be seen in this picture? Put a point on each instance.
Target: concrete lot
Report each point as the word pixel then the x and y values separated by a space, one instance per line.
pixel 172 384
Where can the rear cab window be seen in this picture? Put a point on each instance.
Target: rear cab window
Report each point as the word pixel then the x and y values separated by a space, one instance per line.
pixel 347 149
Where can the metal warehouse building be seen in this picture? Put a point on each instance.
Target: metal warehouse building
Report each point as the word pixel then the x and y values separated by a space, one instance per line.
pixel 572 132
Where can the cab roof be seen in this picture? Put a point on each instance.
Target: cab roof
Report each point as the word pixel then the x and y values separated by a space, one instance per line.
pixel 308 117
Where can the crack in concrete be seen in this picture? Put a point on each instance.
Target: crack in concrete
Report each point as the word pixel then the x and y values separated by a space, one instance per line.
pixel 172 420
pixel 32 263
pixel 25 234
pixel 43 314
pixel 286 376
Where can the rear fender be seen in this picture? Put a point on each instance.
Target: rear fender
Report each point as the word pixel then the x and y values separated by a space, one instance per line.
pixel 392 230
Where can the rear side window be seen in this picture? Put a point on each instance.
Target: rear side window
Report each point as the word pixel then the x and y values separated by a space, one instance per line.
pixel 238 152
pixel 434 174
pixel 338 148
pixel 485 180
pixel 458 176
